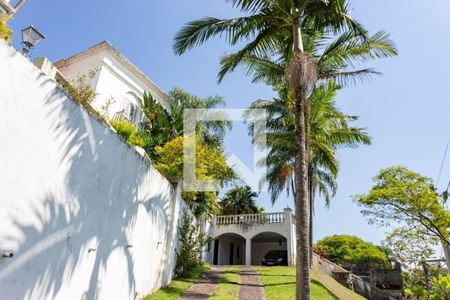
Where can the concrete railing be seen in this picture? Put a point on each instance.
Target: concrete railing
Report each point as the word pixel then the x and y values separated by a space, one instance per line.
pixel 264 218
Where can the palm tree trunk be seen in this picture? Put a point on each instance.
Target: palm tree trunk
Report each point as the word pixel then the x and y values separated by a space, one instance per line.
pixel 299 91
pixel 311 221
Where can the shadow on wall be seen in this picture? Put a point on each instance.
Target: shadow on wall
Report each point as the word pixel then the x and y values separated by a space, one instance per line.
pixel 97 222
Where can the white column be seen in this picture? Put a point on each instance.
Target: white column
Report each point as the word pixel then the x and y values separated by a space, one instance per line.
pixel 288 224
pixel 248 252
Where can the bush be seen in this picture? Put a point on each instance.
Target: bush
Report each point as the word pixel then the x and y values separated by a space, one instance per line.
pixel 124 128
pixel 191 242
pixel 441 288
pixel 351 252
pixel 5 31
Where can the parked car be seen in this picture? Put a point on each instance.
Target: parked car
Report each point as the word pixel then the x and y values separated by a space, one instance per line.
pixel 275 258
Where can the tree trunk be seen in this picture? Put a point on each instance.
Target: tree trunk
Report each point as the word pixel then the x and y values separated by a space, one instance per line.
pixel 302 205
pixel 312 196
pixel 299 90
pixel 446 250
pixel 426 274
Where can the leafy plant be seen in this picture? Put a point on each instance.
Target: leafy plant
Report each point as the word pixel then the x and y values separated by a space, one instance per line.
pixel 5 31
pixel 191 242
pixel 82 91
pixel 128 132
pixel 240 200
pixel 441 288
pixel 164 125
pixel 400 195
pixel 210 165
pixel 351 252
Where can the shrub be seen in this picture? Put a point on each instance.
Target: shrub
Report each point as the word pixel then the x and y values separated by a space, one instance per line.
pixel 137 139
pixel 124 128
pixel 191 242
pixel 352 252
pixel 5 31
pixel 441 287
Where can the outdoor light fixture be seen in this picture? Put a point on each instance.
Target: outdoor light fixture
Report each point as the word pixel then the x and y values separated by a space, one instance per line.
pixel 7 254
pixel 30 37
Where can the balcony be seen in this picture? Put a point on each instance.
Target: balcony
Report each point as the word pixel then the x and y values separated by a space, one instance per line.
pixel 264 218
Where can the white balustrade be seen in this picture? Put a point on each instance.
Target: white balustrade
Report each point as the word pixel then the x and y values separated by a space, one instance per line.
pixel 264 218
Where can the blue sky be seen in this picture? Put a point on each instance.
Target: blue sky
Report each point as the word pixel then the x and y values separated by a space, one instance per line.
pixel 406 111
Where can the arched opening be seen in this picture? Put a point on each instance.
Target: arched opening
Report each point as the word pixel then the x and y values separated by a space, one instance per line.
pixel 229 249
pixel 269 243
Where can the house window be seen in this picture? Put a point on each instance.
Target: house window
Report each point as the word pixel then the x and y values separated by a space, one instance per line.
pixel 131 109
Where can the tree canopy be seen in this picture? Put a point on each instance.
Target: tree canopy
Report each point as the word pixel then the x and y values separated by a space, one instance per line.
pixel 351 252
pixel 239 200
pixel 400 195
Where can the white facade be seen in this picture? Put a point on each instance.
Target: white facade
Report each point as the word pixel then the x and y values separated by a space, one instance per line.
pixel 84 214
pixel 5 8
pixel 117 81
pixel 254 234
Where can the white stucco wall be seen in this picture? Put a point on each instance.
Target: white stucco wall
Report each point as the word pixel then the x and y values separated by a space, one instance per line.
pixel 85 215
pixel 113 79
pixel 248 232
pixel 224 251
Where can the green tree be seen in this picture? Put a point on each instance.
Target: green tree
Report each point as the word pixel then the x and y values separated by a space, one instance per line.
pixel 413 249
pixel 282 28
pixel 240 200
pixel 164 125
pixel 400 195
pixel 328 130
pixel 351 252
pixel 211 165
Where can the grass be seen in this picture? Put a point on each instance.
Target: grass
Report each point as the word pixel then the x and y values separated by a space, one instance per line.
pixel 178 286
pixel 228 285
pixel 279 283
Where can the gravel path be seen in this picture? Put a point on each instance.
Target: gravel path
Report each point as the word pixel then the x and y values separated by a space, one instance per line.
pixel 205 286
pixel 251 287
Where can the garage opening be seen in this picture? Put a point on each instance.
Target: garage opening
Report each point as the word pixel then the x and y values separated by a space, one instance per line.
pixel 229 249
pixel 270 244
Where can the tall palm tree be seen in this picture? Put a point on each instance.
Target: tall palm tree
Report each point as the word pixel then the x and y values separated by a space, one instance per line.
pixel 283 28
pixel 328 130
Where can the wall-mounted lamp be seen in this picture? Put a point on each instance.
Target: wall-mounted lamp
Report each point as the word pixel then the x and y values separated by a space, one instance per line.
pixel 280 242
pixel 30 38
pixel 91 250
pixel 7 254
pixel 129 246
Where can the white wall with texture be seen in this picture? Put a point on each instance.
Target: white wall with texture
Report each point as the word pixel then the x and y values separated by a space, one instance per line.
pixel 86 216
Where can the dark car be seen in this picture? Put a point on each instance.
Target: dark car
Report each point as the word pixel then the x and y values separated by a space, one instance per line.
pixel 275 258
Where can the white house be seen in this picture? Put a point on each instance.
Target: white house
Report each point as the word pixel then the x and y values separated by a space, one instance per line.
pixel 118 83
pixel 242 239
pixel 9 8
pixel 246 239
